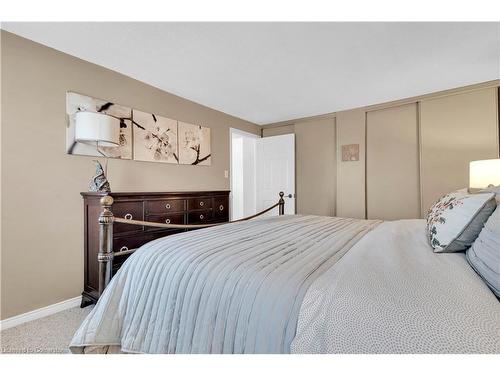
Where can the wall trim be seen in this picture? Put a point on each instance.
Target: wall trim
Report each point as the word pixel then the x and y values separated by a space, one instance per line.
pixel 40 313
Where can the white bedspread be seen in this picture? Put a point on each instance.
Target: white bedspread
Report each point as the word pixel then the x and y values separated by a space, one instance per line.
pixel 235 288
pixel 391 294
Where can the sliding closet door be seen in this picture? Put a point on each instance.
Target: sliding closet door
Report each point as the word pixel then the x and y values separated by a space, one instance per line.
pixel 392 163
pixel 455 130
pixel 351 173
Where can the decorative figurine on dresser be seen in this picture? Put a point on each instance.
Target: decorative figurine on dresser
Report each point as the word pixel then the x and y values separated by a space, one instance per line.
pixel 202 207
pixel 99 182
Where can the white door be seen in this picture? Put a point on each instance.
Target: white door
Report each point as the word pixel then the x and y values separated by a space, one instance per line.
pixel 275 162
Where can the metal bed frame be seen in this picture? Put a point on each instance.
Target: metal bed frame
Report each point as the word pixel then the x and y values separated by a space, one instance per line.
pixel 106 219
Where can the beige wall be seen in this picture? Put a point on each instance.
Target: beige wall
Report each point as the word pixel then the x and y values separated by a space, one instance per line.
pixel 315 160
pixel 42 211
pixel 392 163
pixel 350 198
pixel 456 130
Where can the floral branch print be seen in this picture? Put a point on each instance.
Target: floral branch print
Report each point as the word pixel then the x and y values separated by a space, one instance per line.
pixel 193 141
pixel 143 136
pixel 435 215
pixel 159 141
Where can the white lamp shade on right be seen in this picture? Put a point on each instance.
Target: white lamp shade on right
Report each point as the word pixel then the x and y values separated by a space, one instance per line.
pixel 484 173
pixel 93 127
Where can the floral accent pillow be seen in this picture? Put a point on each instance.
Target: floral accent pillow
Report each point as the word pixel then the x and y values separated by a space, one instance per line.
pixel 455 220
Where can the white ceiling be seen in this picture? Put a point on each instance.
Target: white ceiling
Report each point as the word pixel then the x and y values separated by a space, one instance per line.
pixel 270 72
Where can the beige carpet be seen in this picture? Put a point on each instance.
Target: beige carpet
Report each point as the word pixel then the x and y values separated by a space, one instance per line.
pixel 51 334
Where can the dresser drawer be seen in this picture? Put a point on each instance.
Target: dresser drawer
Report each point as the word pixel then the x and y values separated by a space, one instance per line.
pixel 165 219
pixel 128 243
pixel 199 217
pixel 127 210
pixel 169 205
pixel 118 262
pixel 199 203
pixel 221 209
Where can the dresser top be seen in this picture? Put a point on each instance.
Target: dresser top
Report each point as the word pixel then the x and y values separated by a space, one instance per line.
pixel 148 194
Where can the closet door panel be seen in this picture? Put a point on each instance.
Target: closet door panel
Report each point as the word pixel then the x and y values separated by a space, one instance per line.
pixel 351 174
pixel 315 157
pixel 455 130
pixel 392 163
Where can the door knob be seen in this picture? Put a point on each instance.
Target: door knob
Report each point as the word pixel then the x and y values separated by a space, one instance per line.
pixel 290 196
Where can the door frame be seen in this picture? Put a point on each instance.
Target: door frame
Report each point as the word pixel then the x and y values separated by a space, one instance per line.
pixel 232 132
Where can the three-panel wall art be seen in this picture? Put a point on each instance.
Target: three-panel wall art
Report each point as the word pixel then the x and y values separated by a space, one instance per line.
pixel 143 136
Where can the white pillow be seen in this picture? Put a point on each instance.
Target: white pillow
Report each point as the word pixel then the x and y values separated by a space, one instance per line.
pixel 455 220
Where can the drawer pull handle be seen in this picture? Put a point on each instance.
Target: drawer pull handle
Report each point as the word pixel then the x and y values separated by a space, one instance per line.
pixel 202 203
pixel 221 208
pixel 202 217
pixel 167 221
pixel 124 248
pixel 128 216
pixel 167 206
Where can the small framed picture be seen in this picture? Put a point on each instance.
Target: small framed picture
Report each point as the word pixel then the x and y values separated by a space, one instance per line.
pixel 350 152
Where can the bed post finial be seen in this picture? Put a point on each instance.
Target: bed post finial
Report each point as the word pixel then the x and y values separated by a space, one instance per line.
pixel 281 203
pixel 105 255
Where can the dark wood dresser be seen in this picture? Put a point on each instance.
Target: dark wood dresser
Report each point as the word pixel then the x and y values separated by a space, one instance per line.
pixel 172 208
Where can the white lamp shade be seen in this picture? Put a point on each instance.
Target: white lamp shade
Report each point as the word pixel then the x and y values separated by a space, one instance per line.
pixel 93 127
pixel 483 173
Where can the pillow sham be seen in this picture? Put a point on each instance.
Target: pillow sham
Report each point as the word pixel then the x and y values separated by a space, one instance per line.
pixel 484 255
pixel 455 220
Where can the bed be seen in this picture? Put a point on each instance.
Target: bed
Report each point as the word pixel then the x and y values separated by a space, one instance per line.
pixel 294 284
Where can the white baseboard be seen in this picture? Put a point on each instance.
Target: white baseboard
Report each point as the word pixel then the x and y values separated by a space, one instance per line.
pixel 39 313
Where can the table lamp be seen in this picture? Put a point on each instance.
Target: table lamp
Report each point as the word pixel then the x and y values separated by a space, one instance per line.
pixel 484 174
